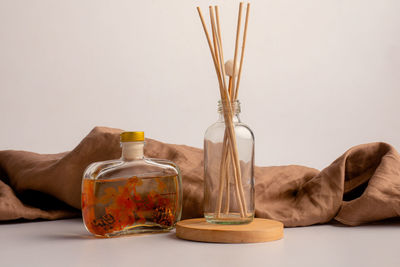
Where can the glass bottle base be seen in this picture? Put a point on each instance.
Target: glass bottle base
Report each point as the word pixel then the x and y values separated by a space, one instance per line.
pixel 138 229
pixel 230 218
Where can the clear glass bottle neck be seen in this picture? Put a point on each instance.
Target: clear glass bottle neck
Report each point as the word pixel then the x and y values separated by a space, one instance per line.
pixel 132 151
pixel 224 110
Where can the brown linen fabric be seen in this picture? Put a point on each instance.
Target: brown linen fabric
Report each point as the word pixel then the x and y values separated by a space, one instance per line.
pixel 363 185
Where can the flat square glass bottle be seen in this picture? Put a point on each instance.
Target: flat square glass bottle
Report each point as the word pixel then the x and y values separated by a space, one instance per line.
pixel 132 194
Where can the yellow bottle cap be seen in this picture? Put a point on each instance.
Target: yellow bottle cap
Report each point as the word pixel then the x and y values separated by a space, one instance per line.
pixel 132 136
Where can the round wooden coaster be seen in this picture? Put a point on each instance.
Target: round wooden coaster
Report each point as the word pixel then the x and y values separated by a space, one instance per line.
pixel 259 230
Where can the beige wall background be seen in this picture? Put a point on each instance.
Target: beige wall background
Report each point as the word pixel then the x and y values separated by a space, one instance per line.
pixel 319 76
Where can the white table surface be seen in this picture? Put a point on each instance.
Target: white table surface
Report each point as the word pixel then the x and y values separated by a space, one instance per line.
pixel 66 243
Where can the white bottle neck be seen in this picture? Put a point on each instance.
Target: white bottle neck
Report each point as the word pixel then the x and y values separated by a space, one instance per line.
pixel 132 150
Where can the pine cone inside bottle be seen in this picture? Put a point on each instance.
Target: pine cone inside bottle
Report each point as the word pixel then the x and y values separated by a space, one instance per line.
pixel 163 216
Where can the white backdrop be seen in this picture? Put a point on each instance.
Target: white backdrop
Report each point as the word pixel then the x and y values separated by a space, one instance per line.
pixel 319 76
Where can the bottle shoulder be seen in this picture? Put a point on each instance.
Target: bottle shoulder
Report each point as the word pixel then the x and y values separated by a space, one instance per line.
pixel 143 168
pixel 244 130
pixel 216 130
pixel 221 125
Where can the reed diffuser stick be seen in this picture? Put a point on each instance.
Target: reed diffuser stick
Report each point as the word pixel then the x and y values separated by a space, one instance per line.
pixel 228 161
pixel 225 159
pixel 242 53
pixel 211 48
pixel 215 42
pixel 223 174
pixel 223 170
pixel 236 47
pixel 221 51
pixel 234 153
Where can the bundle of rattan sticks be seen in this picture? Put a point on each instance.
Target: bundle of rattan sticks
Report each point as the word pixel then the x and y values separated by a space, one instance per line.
pixel 229 94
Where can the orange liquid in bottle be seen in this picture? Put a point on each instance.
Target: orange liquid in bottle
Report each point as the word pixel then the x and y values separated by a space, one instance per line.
pixel 117 206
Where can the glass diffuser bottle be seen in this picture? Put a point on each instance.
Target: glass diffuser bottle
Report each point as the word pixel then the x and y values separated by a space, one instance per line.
pixel 132 194
pixel 228 169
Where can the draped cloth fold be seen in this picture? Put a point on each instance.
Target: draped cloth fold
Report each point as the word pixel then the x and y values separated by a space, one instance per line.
pixel 361 186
